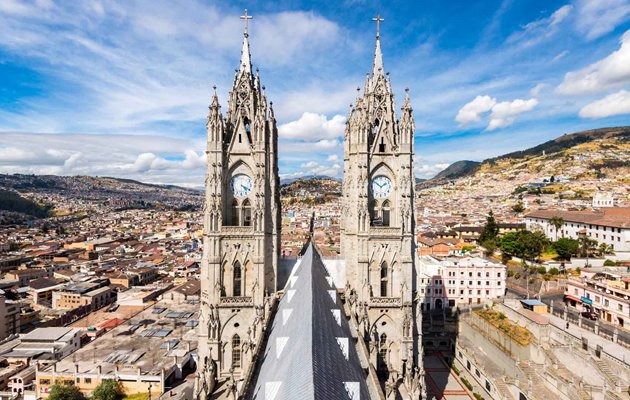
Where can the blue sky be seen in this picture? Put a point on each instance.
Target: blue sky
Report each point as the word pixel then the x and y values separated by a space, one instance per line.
pixel 121 88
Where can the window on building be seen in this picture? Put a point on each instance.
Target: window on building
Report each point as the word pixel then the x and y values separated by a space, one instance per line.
pixel 87 380
pixel 620 307
pixel 384 279
pixel 236 351
pixel 382 351
pixel 385 212
pixel 606 303
pixel 381 146
pixel 247 213
pixel 234 213
pixel 237 279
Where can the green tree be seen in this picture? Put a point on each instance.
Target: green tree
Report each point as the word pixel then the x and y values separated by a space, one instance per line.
pixel 554 271
pixel 65 392
pixel 490 229
pixel 524 244
pixel 108 389
pixel 587 245
pixel 518 207
pixel 557 222
pixel 566 248
pixel 605 249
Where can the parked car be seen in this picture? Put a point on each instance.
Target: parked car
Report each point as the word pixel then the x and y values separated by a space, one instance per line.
pixel 589 315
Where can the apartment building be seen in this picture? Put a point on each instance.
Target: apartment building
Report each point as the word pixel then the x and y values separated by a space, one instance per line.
pixel 604 291
pixel 610 225
pixel 456 281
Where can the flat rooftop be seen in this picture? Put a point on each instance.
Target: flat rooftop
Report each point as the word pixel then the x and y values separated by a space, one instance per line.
pixel 49 334
pixel 149 341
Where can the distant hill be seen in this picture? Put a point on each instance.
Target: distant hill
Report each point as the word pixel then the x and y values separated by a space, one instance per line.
pixel 458 169
pixel 461 169
pixel 287 181
pixel 310 191
pixel 13 202
pixel 117 192
pixel 567 141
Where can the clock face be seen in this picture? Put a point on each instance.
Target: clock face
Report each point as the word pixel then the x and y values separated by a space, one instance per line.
pixel 241 185
pixel 381 187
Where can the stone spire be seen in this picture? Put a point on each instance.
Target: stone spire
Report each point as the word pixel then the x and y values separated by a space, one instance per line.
pixel 378 55
pixel 246 62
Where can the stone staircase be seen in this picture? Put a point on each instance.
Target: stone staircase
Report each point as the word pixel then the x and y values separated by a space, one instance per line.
pixel 614 383
pixel 538 390
pixel 560 371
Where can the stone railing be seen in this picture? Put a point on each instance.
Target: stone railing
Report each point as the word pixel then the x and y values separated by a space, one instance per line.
pixel 242 301
pixel 236 230
pixel 385 302
pixel 384 230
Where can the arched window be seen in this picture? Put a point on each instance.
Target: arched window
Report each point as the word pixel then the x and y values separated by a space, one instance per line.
pixel 236 351
pixel 385 213
pixel 384 279
pixel 375 126
pixel 247 125
pixel 238 278
pixel 234 213
pixel 247 213
pixel 382 351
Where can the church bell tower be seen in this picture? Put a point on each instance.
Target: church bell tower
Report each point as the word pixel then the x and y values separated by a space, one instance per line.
pixel 378 225
pixel 241 228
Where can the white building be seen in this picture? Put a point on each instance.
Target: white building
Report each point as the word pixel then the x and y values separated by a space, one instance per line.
pixel 458 280
pixel 604 291
pixel 610 225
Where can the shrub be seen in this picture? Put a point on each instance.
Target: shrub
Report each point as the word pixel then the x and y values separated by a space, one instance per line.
pixel 554 271
pixel 455 369
pixel 65 392
pixel 609 263
pixel 467 384
pixel 478 396
pixel 541 270
pixel 108 389
pixel 501 316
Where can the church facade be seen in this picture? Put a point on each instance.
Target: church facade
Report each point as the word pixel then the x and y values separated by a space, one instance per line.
pixel 241 247
pixel 378 225
pixel 241 240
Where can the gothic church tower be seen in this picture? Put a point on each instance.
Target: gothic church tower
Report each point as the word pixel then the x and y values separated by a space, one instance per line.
pixel 378 225
pixel 241 228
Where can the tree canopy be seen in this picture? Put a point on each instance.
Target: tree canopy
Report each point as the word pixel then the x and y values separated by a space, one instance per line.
pixel 108 389
pixel 523 244
pixel 566 248
pixel 65 392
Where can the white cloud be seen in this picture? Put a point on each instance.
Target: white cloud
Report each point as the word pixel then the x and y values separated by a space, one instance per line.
pixel 501 114
pixel 560 15
pixel 505 113
pixel 333 158
pixel 313 126
pixel 540 29
pixel 560 55
pixel 315 168
pixel 426 171
pixel 471 111
pixel 535 91
pixel 595 18
pixel 146 158
pixel 612 71
pixel 613 104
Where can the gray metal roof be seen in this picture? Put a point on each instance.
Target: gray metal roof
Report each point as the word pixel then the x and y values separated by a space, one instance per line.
pixel 310 352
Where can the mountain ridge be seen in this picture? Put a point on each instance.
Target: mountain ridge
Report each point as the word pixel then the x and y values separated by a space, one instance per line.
pixel 466 168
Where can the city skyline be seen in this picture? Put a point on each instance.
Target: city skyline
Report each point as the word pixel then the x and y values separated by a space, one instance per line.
pixel 484 80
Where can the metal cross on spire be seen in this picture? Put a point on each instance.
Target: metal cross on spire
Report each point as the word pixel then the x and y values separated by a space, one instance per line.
pixel 378 21
pixel 246 18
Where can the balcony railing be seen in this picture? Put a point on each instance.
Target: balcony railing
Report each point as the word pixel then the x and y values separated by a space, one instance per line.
pixel 241 301
pixel 385 302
